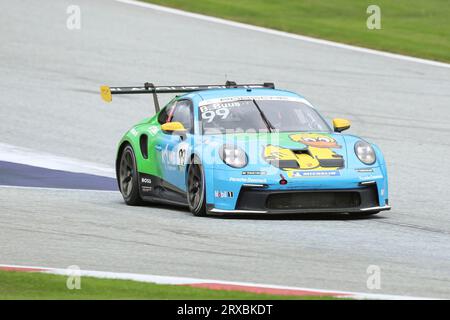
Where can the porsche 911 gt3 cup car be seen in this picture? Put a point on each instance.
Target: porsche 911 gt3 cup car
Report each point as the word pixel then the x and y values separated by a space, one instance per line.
pixel 238 149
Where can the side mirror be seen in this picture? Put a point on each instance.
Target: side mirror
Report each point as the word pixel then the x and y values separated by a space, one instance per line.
pixel 340 125
pixel 171 127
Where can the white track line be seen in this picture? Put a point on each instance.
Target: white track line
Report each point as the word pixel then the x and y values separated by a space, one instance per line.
pixel 30 157
pixel 283 34
pixel 2 186
pixel 194 281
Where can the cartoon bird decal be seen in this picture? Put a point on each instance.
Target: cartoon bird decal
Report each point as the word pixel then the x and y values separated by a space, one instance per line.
pixel 315 140
pixel 316 156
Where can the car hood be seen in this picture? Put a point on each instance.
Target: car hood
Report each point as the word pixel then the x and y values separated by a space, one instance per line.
pixel 319 151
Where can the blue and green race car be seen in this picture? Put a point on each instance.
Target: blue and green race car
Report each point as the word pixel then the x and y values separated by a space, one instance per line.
pixel 246 149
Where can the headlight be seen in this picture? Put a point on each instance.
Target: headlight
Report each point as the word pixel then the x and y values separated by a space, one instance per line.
pixel 233 156
pixel 365 152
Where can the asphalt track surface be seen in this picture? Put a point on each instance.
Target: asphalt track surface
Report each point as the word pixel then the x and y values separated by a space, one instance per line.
pixel 49 102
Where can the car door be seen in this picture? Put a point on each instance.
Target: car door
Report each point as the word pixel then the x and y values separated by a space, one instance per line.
pixel 175 147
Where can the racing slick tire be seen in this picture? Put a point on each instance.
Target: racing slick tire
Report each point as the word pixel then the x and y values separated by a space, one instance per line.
pixel 196 189
pixel 128 177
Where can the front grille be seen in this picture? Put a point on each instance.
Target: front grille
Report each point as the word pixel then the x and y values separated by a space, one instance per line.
pixel 291 164
pixel 313 200
pixel 340 200
pixel 329 163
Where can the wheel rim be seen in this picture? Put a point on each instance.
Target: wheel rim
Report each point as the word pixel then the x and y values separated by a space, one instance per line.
pixel 126 173
pixel 195 187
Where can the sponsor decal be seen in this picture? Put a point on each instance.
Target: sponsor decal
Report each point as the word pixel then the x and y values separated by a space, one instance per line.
pixel 254 173
pixel 247 180
pixel 223 194
pixel 364 170
pixel 153 130
pixel 257 98
pixel 324 173
pixel 134 132
pixel 371 177
pixel 146 184
pixel 146 189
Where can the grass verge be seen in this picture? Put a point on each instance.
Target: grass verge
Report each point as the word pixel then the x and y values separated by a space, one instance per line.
pixel 31 286
pixel 412 27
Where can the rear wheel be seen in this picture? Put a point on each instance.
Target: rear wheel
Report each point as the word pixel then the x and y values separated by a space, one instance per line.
pixel 128 177
pixel 196 195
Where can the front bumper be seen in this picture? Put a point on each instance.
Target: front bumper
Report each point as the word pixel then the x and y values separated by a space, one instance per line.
pixel 257 200
pixel 350 192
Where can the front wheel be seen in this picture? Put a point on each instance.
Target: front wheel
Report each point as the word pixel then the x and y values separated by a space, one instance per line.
pixel 196 195
pixel 128 177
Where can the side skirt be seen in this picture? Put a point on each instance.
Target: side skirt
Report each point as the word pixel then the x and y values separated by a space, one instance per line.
pixel 156 189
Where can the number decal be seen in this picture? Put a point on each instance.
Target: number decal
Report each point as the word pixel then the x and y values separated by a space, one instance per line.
pixel 224 113
pixel 210 115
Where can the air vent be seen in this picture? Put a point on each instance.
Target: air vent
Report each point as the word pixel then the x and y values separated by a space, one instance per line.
pixel 143 143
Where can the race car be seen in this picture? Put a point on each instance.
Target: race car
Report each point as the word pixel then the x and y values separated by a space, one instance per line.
pixel 246 149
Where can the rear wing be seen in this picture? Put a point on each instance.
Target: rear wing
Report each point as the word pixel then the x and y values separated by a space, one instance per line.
pixel 149 88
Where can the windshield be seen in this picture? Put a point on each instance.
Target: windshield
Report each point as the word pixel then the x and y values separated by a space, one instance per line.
pixel 261 116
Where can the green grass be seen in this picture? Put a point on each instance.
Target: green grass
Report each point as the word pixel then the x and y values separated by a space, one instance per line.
pixel 413 27
pixel 23 285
